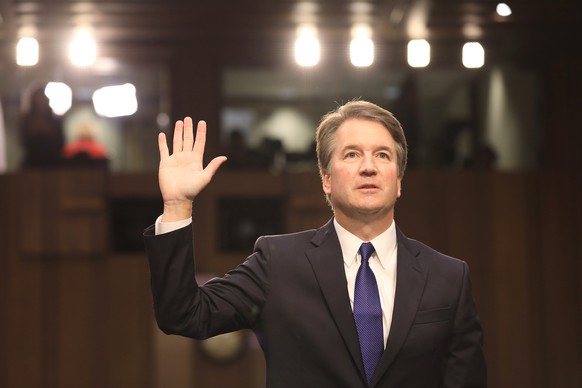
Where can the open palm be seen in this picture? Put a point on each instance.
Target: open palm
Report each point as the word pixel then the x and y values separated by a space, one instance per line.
pixel 181 174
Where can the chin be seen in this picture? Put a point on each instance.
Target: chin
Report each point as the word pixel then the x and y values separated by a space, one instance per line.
pixel 374 209
pixel 369 210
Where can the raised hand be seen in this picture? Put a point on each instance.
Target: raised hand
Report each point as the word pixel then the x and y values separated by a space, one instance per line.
pixel 181 174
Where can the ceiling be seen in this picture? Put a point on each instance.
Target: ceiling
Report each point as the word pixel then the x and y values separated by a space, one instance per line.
pixel 142 25
pixel 253 38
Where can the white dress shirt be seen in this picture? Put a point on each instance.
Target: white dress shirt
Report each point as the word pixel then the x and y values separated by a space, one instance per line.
pixel 167 227
pixel 382 263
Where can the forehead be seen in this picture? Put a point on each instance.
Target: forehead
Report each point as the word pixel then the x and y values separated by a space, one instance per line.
pixel 362 132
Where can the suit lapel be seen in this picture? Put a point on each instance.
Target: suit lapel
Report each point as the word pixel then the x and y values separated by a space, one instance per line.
pixel 327 262
pixel 410 281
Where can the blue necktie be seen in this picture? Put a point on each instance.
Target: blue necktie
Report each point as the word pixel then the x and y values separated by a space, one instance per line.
pixel 368 313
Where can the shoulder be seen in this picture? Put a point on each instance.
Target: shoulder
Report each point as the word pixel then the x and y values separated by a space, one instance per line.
pixel 286 240
pixel 302 240
pixel 429 256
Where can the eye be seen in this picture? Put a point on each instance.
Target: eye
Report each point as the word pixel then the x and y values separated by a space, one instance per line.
pixel 351 155
pixel 384 155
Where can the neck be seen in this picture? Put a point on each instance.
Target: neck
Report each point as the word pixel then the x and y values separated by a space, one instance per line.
pixel 365 228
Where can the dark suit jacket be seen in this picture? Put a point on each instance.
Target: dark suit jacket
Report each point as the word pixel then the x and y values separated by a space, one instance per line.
pixel 292 292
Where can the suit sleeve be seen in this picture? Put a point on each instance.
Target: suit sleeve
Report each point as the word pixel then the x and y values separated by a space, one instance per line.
pixel 183 307
pixel 464 365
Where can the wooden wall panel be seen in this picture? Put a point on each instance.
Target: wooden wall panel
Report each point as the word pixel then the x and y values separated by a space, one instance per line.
pixel 228 184
pixel 74 324
pixel 174 360
pixel 420 210
pixel 468 227
pixel 72 315
pixel 559 246
pixel 28 189
pixel 87 320
pixel 124 322
pixel 23 313
pixel 306 204
pixel 510 291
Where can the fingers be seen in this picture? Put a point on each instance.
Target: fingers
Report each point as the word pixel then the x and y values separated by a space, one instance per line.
pixel 200 140
pixel 214 164
pixel 184 141
pixel 163 146
pixel 178 134
pixel 188 134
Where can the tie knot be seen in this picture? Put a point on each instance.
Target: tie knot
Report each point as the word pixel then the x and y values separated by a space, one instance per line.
pixel 366 250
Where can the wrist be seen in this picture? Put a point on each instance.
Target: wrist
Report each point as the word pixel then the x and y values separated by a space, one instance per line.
pixel 177 211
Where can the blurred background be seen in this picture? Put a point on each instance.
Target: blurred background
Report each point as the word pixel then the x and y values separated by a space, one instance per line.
pixel 489 96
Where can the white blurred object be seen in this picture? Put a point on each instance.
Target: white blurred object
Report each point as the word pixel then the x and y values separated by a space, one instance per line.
pixel 60 97
pixel 503 9
pixel 418 53
pixel 83 49
pixel 473 55
pixel 307 46
pixel 115 101
pixel 362 46
pixel 27 52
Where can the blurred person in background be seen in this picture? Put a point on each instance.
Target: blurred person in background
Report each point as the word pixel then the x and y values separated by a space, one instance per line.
pixel 41 133
pixel 85 150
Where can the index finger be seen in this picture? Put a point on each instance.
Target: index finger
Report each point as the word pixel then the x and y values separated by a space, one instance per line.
pixel 163 145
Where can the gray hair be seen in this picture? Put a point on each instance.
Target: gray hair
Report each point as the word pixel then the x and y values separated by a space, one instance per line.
pixel 325 134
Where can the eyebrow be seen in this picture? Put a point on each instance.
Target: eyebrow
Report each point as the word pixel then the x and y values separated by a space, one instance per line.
pixel 358 147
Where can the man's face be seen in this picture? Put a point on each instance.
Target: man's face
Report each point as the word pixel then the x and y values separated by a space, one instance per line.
pixel 362 179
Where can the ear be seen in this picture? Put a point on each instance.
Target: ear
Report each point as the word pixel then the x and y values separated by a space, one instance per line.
pixel 399 187
pixel 326 183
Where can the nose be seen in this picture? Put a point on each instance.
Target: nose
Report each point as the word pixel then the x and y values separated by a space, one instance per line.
pixel 368 166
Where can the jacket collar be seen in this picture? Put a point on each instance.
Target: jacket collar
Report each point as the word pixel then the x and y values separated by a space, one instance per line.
pixel 411 276
pixel 325 257
pixel 327 262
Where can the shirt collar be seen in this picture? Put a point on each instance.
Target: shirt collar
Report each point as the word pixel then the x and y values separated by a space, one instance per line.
pixel 384 244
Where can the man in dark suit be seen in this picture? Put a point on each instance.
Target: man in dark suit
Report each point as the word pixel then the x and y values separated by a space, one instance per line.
pixel 352 304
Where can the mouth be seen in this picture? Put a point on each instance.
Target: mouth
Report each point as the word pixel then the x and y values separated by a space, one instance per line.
pixel 368 186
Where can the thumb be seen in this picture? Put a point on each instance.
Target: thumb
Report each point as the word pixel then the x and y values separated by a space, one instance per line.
pixel 214 164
